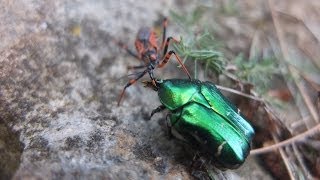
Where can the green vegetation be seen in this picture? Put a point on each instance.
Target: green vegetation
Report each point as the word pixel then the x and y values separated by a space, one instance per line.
pixel 257 71
pixel 200 46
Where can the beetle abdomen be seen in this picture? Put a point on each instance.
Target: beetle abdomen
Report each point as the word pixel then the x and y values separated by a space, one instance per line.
pixel 213 133
pixel 227 110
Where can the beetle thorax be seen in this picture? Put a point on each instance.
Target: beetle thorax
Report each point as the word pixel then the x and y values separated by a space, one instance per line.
pixel 176 93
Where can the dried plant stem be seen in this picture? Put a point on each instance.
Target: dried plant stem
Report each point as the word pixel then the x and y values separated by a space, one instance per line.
pixel 301 161
pixel 285 158
pixel 296 138
pixel 239 93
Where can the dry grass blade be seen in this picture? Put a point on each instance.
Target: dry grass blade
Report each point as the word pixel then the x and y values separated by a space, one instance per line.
pixel 294 139
pixel 299 78
pixel 285 159
pixel 301 161
pixel 293 71
pixel 310 52
pixel 239 93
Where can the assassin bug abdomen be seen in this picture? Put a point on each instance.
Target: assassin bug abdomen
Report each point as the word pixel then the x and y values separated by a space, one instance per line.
pixel 148 51
pixel 146 41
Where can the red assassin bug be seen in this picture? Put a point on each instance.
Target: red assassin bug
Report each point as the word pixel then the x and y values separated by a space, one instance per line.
pixel 149 52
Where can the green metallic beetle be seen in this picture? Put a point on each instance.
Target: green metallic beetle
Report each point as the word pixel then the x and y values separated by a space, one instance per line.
pixel 202 116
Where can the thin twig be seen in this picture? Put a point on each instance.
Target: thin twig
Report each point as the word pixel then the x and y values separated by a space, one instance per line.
pixel 254 42
pixel 301 21
pixel 285 158
pixel 301 161
pixel 286 142
pixel 310 81
pixel 239 93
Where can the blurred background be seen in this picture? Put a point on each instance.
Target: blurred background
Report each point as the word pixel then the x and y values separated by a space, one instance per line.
pixel 62 71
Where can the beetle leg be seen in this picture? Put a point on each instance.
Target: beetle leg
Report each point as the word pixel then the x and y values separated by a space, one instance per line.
pixel 167 58
pixel 132 81
pixel 195 158
pixel 158 109
pixel 198 161
pixel 169 126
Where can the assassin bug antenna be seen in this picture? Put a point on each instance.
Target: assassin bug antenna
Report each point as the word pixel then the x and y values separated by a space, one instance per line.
pixel 149 52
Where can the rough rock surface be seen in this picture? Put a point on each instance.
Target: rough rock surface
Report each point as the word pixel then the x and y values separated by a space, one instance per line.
pixel 60 77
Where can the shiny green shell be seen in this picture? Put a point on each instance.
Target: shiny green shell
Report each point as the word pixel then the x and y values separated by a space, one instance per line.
pixel 200 114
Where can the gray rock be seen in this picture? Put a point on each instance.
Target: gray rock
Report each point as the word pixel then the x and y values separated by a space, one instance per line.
pixel 60 78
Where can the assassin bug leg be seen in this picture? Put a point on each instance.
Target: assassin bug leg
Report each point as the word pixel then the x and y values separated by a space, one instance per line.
pixel 136 67
pixel 166 45
pixel 152 78
pixel 164 24
pixel 132 81
pixel 167 58
pixel 129 51
pixel 168 55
